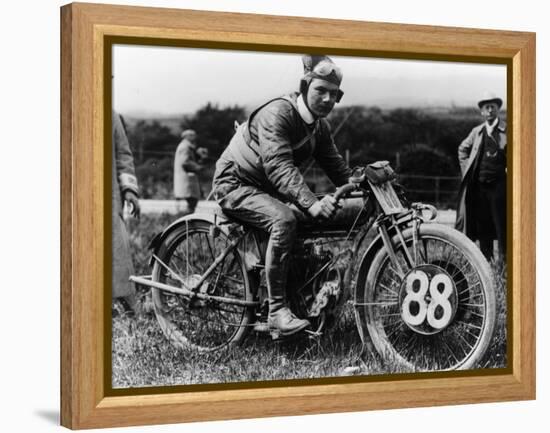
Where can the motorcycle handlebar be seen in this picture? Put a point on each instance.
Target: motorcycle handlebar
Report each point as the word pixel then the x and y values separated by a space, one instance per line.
pixel 344 190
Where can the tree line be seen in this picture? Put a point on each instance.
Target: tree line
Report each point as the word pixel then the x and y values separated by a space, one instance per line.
pixel 417 141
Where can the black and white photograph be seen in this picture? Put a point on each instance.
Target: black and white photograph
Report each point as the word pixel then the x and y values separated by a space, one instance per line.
pixel 281 216
pixel 275 216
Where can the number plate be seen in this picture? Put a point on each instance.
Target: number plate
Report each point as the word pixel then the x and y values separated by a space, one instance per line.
pixel 428 299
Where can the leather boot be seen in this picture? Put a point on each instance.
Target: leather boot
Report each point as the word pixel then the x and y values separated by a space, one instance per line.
pixel 281 321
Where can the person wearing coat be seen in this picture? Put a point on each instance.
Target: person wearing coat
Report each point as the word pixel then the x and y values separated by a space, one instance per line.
pixel 124 190
pixel 188 162
pixel 481 210
pixel 257 176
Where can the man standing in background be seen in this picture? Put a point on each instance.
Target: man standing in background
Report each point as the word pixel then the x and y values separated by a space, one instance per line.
pixel 124 191
pixel 188 162
pixel 481 211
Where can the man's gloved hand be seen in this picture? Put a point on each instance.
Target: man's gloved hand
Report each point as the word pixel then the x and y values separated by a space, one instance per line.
pixel 133 202
pixel 324 208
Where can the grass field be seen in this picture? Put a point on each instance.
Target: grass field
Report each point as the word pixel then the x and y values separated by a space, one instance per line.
pixel 142 356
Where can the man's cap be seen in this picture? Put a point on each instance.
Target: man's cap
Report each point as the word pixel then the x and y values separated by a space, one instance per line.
pixel 188 133
pixel 322 67
pixel 489 97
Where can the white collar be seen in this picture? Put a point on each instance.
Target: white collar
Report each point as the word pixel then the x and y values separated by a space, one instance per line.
pixel 490 127
pixel 305 114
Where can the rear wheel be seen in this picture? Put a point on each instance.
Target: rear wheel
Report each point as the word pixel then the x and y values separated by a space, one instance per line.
pixel 183 258
pixel 435 308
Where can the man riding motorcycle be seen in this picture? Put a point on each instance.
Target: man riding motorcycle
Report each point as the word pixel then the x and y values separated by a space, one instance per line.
pixel 257 176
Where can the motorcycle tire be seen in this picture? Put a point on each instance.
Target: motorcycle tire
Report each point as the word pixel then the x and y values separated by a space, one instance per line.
pixel 437 310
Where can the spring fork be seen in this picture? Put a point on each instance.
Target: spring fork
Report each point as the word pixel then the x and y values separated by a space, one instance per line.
pixel 391 252
pixel 404 244
pixel 415 239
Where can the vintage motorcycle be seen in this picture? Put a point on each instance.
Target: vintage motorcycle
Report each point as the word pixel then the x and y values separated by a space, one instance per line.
pixel 422 293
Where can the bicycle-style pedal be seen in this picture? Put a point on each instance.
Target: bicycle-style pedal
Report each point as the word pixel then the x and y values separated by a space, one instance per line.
pixel 261 326
pixel 313 335
pixel 275 335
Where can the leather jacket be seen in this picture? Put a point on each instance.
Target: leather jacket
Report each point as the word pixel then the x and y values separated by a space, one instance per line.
pixel 269 148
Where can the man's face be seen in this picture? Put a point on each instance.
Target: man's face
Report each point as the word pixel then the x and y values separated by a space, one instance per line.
pixel 321 96
pixel 489 111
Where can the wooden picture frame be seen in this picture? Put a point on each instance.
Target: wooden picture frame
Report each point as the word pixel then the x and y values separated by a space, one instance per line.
pixel 85 30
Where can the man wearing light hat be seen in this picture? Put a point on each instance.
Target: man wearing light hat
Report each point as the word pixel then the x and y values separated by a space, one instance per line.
pixel 257 176
pixel 188 163
pixel 481 212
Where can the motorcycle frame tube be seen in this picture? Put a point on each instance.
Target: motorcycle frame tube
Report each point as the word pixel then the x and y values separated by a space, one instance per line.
pixel 191 294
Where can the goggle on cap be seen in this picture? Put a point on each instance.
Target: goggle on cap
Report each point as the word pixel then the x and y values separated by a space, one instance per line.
pixel 321 67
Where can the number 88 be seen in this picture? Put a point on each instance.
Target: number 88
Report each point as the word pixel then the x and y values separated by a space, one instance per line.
pixel 438 298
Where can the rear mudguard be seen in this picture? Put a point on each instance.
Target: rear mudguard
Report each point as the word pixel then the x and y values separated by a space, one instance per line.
pixel 161 236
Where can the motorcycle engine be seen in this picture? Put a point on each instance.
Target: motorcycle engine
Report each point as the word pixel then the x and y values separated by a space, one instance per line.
pixel 317 284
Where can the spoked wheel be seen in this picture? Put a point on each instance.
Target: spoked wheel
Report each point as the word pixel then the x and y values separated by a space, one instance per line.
pixel 435 308
pixel 203 325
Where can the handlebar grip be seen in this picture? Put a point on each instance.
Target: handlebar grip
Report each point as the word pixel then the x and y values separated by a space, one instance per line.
pixel 344 190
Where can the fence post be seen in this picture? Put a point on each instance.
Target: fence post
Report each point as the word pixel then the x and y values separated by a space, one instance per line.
pixel 437 191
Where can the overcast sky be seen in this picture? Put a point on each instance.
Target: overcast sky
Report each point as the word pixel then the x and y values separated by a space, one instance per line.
pixel 157 80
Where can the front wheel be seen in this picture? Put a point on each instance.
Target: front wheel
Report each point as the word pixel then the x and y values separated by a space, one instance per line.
pixel 181 261
pixel 433 306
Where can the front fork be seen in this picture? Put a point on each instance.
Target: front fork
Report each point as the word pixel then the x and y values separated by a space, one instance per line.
pixel 388 225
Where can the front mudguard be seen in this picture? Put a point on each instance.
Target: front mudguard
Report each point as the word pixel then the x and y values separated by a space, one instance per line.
pixel 364 266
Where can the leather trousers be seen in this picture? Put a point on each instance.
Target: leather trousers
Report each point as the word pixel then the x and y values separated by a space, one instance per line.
pixel 256 208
